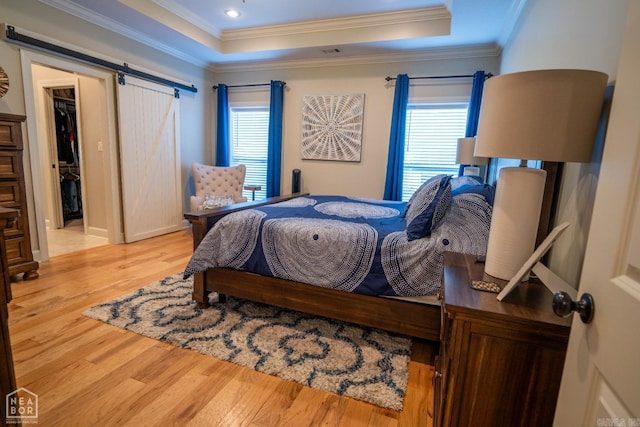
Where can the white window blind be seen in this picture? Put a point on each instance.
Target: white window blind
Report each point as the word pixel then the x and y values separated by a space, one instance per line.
pixel 249 131
pixel 431 140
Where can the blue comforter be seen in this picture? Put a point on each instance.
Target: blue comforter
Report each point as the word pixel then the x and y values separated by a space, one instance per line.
pixel 349 244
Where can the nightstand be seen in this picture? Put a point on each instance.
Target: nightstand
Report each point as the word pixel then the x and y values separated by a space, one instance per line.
pixel 500 363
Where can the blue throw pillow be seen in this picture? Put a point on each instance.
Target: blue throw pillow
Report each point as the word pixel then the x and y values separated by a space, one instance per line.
pixel 485 190
pixel 427 206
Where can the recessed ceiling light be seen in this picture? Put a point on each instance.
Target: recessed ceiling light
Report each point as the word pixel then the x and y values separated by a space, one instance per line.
pixel 232 13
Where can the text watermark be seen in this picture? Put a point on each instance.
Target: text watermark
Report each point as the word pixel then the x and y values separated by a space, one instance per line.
pixel 21 407
pixel 618 422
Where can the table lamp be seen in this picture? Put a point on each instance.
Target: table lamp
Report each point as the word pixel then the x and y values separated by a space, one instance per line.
pixel 465 156
pixel 549 115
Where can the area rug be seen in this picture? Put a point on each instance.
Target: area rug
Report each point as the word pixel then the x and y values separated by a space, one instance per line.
pixel 346 359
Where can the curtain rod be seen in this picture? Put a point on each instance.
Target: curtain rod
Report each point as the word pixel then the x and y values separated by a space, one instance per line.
pixel 486 76
pixel 21 38
pixel 250 85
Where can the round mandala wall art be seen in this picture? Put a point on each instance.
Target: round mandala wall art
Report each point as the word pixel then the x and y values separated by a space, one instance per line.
pixel 4 82
pixel 332 127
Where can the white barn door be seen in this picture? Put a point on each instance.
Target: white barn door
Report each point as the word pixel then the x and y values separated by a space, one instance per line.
pixel 601 379
pixel 148 116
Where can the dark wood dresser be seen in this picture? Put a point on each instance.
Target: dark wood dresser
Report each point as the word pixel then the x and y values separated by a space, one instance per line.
pixel 500 363
pixel 8 217
pixel 13 195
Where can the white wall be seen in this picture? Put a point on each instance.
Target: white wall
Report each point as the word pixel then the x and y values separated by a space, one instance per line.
pixel 364 178
pixel 584 34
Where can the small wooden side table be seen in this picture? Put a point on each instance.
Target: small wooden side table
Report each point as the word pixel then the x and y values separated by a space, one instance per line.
pixel 253 189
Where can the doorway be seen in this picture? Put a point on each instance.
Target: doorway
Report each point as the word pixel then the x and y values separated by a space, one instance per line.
pixel 96 220
pixel 66 226
pixel 65 160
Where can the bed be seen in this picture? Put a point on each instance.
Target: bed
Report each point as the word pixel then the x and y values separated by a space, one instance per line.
pixel 372 262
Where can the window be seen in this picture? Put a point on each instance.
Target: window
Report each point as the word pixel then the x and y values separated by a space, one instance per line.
pixel 249 131
pixel 431 141
pixel 499 163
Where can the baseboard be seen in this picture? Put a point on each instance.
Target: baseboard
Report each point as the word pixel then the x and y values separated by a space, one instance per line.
pixel 98 232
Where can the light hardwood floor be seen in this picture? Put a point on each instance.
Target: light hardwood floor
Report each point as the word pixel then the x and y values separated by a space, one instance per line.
pixel 71 238
pixel 87 373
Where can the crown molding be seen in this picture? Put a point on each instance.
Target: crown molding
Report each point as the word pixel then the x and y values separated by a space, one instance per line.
pixel 462 52
pixel 115 27
pixel 408 24
pixel 370 21
pixel 175 8
pixel 515 12
pixel 387 19
pixel 88 52
pixel 185 28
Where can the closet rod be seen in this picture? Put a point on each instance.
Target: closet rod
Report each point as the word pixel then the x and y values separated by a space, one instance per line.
pixel 62 98
pixel 21 38
pixel 250 85
pixel 486 76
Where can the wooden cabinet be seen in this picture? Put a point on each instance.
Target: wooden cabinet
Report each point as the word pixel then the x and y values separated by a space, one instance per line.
pixel 500 363
pixel 12 195
pixel 7 374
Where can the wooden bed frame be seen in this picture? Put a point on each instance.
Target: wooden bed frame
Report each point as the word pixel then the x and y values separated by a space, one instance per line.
pixel 396 315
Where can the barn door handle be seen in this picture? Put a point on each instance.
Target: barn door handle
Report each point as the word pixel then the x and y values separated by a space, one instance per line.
pixel 563 306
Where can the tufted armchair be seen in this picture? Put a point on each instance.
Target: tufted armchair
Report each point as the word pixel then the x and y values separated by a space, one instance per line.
pixel 217 181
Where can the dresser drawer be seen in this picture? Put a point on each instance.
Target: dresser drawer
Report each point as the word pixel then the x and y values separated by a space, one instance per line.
pixel 10 165
pixel 17 228
pixel 10 135
pixel 10 193
pixel 17 251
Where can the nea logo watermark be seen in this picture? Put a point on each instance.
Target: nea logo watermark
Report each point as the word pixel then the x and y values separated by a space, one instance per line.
pixel 22 407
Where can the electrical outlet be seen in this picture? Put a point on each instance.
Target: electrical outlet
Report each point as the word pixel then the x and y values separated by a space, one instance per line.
pixel 100 146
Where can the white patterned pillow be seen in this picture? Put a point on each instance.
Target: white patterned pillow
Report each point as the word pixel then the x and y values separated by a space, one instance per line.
pixel 459 181
pixel 427 206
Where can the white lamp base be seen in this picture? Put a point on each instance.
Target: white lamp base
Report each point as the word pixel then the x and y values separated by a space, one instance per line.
pixel 514 222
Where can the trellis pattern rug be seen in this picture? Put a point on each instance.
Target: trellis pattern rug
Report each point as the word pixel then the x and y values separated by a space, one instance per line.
pixel 329 355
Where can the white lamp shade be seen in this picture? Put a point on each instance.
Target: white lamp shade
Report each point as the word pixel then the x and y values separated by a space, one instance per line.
pixel 547 115
pixel 464 154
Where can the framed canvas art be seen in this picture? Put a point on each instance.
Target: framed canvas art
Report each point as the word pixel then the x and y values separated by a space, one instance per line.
pixel 332 127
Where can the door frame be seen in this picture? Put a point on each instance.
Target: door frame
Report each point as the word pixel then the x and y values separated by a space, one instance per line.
pixel 34 179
